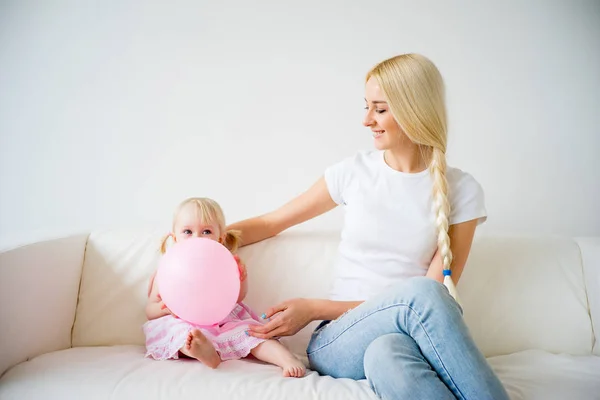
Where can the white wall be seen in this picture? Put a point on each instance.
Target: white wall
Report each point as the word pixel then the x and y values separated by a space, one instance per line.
pixel 111 114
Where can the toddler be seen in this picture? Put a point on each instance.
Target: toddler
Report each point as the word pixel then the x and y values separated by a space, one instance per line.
pixel 167 336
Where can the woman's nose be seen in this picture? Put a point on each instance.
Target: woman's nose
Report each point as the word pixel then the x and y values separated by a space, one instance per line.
pixel 368 119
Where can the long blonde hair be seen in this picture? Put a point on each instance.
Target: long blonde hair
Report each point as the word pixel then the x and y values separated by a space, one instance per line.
pixel 212 212
pixel 414 91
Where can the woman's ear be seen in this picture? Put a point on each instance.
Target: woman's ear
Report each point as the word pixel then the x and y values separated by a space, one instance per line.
pixel 222 238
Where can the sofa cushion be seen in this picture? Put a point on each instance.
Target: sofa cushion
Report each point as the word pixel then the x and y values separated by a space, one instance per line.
pixel 114 287
pixel 121 372
pixel 517 293
pixel 526 293
pixel 38 291
pixel 118 265
pixel 539 375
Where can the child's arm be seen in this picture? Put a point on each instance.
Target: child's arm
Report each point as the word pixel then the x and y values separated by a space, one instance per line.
pixel 243 290
pixel 243 279
pixel 155 308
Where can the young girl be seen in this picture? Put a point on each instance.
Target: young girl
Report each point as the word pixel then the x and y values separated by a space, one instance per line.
pixel 167 335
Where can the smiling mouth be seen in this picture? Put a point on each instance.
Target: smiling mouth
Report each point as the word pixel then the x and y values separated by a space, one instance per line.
pixel 377 134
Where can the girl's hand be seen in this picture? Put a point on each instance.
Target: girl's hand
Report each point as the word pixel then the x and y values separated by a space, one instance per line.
pixel 241 268
pixel 292 316
pixel 164 307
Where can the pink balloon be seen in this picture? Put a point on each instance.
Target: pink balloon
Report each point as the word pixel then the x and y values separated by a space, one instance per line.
pixel 198 280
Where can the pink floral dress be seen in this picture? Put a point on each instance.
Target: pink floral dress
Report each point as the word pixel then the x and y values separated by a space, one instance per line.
pixel 166 335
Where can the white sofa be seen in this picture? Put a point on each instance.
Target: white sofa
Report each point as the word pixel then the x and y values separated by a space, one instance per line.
pixel 71 312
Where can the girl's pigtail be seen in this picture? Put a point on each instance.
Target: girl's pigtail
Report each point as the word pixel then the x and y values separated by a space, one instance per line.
pixel 233 239
pixel 163 244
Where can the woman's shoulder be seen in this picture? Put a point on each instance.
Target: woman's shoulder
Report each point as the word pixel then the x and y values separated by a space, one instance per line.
pixel 466 196
pixel 341 176
pixel 461 180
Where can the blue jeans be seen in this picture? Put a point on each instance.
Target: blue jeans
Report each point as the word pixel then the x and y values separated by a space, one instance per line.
pixel 409 342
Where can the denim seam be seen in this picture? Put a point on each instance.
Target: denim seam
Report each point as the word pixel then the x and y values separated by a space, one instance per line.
pixel 420 323
pixel 436 352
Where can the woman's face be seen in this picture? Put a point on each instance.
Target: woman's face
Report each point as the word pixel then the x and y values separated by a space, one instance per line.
pixel 386 131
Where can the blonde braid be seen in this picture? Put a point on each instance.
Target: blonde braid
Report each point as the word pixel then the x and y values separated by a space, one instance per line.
pixel 442 213
pixel 414 90
pixel 441 205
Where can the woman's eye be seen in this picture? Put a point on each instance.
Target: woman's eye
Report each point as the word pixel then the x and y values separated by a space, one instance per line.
pixel 380 111
pixel 206 232
pixel 187 232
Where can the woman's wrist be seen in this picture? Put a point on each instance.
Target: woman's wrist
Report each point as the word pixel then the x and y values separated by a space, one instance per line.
pixel 315 308
pixel 323 309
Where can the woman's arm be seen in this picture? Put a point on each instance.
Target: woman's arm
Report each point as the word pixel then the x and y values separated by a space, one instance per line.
pixel 461 238
pixel 331 309
pixel 315 201
pixel 293 315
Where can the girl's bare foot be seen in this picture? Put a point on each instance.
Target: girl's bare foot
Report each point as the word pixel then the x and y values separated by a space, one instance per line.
pixel 199 347
pixel 274 352
pixel 293 367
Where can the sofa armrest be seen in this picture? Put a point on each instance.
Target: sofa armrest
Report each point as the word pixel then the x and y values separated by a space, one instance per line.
pixel 39 285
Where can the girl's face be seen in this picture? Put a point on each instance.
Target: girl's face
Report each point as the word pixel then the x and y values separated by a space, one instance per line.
pixel 386 131
pixel 189 224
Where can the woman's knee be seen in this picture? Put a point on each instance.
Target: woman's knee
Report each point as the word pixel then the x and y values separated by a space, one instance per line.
pixel 422 287
pixel 379 355
pixel 383 358
pixel 375 353
pixel 423 294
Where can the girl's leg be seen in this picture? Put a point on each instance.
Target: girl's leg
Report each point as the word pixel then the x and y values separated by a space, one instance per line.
pixel 199 347
pixel 409 342
pixel 273 352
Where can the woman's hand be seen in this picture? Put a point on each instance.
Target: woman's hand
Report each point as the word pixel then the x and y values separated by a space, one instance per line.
pixel 288 318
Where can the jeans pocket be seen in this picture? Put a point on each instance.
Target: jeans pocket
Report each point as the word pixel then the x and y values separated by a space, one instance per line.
pixel 315 334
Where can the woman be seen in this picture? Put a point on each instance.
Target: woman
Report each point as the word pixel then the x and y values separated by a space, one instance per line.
pixel 410 220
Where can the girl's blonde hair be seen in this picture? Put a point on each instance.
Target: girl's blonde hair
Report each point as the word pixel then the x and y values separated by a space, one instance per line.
pixel 414 91
pixel 210 212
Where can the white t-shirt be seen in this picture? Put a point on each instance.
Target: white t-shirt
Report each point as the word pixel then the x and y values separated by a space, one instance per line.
pixel 389 232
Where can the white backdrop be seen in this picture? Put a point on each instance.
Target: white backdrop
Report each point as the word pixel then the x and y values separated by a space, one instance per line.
pixel 110 114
